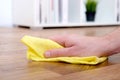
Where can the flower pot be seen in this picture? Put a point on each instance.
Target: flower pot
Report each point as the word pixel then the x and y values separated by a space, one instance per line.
pixel 90 16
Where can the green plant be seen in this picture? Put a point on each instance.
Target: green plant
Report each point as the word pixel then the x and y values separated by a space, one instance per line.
pixel 91 5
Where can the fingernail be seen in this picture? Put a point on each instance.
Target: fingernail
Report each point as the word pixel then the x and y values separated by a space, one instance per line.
pixel 47 54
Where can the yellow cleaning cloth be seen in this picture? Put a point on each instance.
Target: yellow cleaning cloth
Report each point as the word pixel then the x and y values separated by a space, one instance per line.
pixel 38 46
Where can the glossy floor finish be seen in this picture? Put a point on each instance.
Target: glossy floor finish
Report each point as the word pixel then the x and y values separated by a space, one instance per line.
pixel 15 66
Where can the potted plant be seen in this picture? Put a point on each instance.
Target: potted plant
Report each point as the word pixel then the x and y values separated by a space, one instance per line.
pixel 91 6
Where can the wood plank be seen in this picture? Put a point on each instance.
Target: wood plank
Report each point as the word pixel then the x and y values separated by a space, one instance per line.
pixel 105 73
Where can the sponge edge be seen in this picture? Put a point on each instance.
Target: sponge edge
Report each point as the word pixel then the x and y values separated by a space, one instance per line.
pixel 38 46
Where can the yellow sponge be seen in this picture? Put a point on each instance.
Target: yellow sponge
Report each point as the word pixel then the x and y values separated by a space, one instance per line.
pixel 38 46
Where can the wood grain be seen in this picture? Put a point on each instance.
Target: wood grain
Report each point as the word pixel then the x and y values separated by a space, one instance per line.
pixel 105 73
pixel 15 66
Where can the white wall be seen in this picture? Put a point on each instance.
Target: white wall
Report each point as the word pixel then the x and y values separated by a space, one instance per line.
pixel 5 13
pixel 106 11
pixel 74 11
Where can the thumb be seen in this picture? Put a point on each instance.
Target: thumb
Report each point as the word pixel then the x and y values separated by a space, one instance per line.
pixel 64 52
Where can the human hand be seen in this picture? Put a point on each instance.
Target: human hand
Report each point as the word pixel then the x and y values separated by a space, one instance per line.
pixel 79 46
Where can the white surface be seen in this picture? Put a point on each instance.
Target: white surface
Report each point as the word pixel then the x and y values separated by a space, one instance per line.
pixel 76 24
pixel 5 13
pixel 74 11
pixel 65 8
pixel 23 12
pixel 106 11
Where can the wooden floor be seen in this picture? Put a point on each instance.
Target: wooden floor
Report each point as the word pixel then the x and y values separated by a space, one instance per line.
pixel 15 66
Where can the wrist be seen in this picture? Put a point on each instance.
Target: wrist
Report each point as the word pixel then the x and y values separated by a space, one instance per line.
pixel 113 46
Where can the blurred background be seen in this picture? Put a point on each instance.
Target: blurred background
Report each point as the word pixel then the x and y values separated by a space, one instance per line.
pixel 28 13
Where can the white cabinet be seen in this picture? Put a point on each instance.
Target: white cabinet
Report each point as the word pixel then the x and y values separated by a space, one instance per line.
pixel 58 13
pixel 24 12
pixel 5 13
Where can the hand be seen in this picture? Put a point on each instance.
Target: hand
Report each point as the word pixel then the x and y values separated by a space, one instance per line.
pixel 79 46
